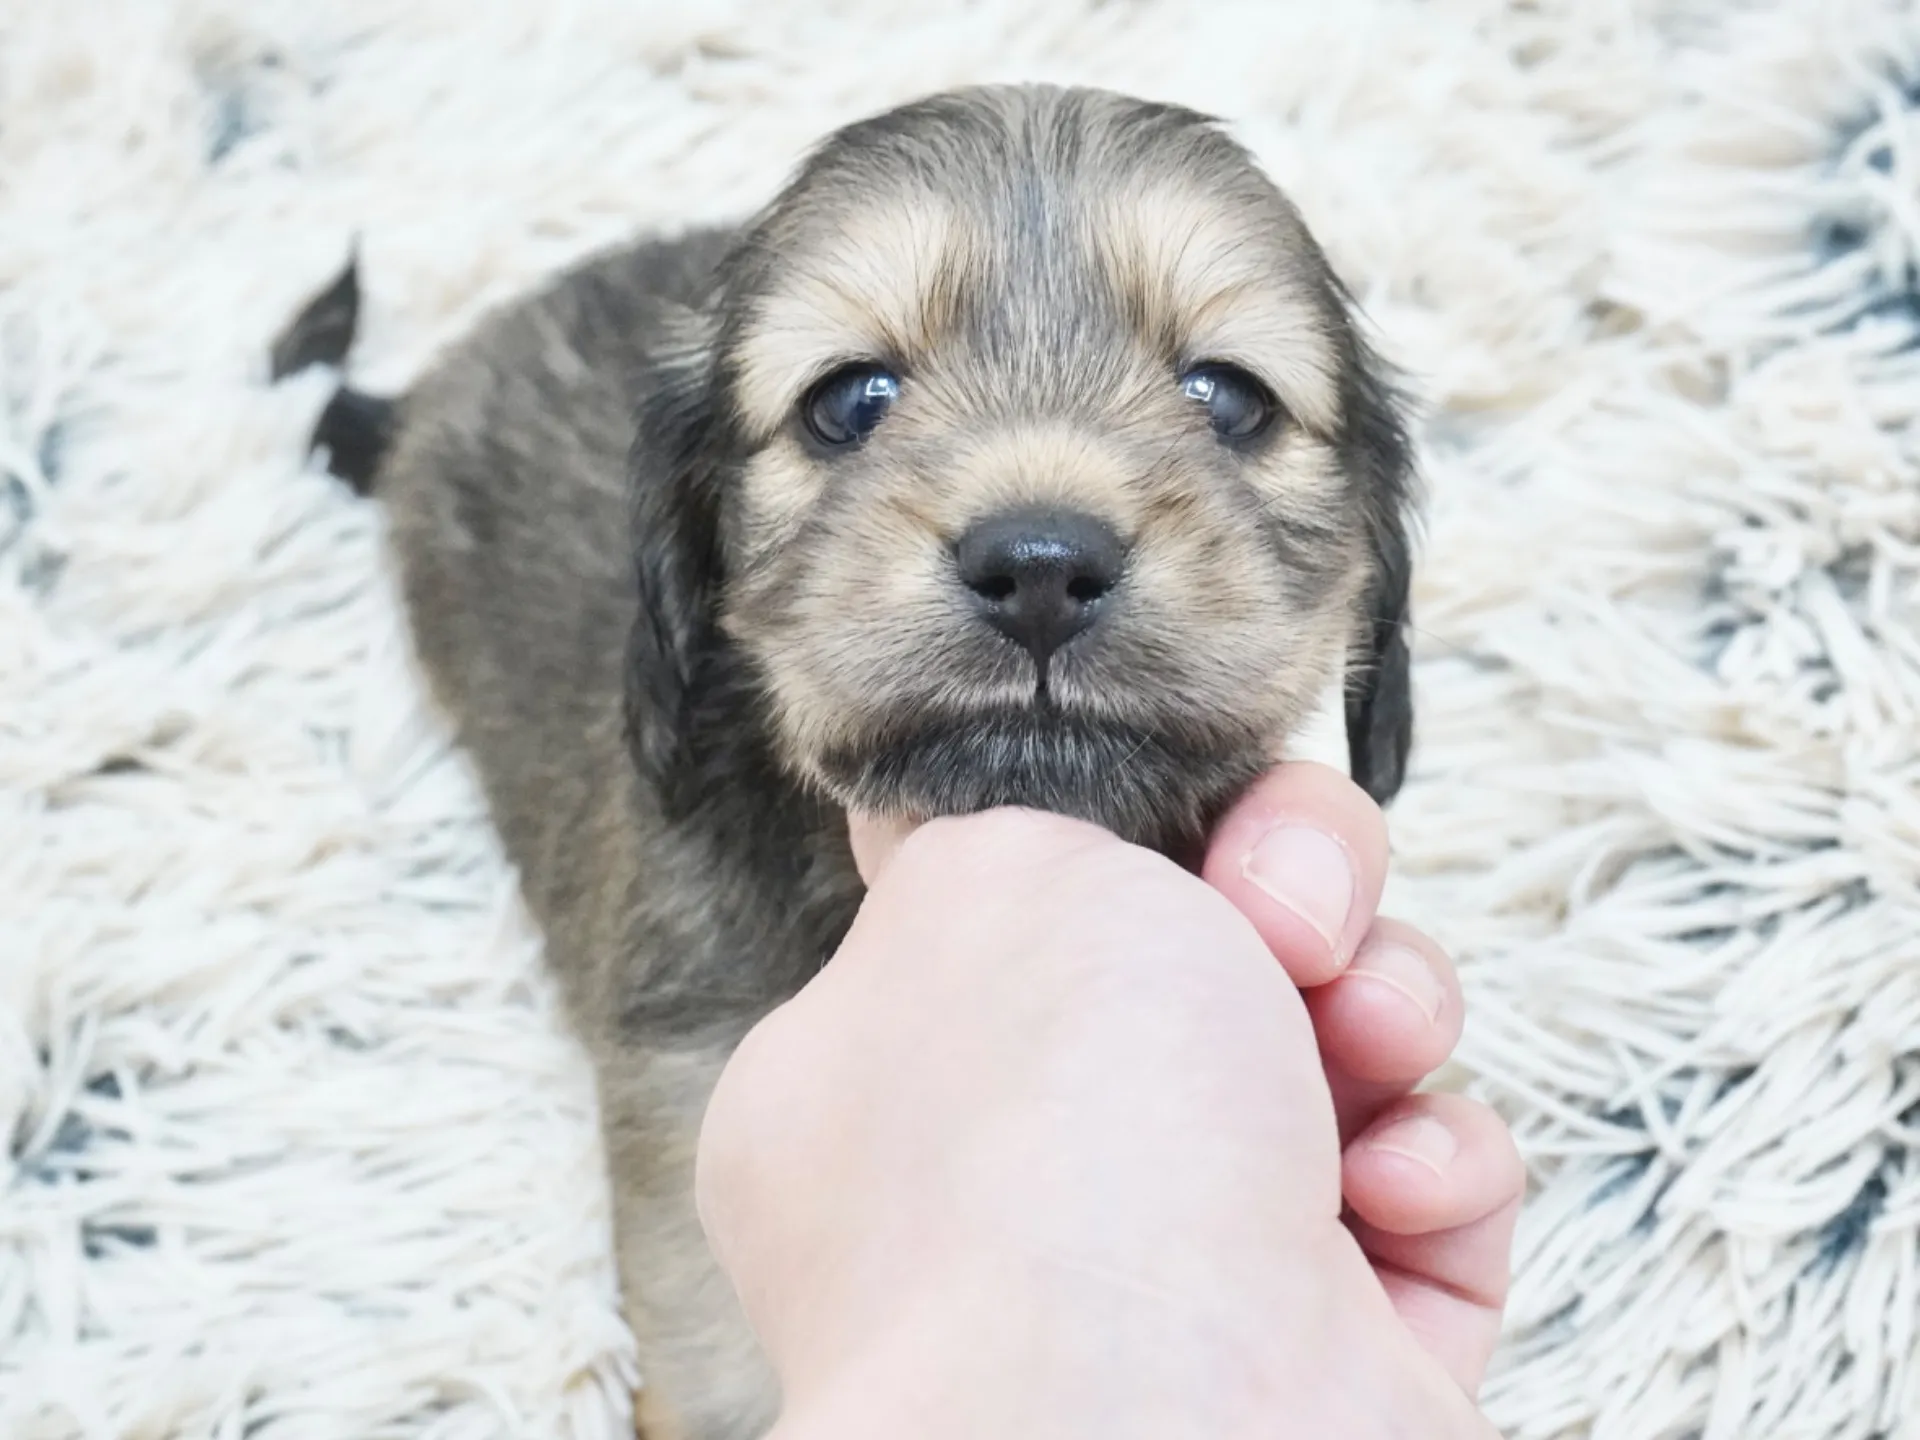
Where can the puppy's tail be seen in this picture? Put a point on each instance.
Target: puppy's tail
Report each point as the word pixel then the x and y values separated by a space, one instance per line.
pixel 356 429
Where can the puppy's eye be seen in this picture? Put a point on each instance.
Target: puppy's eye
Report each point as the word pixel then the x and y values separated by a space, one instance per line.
pixel 1238 405
pixel 843 408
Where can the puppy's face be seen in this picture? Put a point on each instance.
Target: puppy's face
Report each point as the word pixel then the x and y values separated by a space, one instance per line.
pixel 1056 476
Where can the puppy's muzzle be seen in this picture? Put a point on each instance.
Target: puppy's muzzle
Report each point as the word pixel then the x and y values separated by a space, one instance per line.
pixel 1040 577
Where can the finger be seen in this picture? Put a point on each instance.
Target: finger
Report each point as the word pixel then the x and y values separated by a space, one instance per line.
pixel 1303 855
pixel 1386 1023
pixel 875 840
pixel 1433 1189
pixel 1431 1163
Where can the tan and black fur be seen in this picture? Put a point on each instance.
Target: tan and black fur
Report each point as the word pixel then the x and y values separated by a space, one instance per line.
pixel 678 635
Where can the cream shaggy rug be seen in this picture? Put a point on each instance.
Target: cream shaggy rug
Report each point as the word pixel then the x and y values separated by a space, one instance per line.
pixel 293 1145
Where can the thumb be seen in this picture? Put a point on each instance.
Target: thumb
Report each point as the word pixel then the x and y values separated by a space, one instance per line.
pixel 875 840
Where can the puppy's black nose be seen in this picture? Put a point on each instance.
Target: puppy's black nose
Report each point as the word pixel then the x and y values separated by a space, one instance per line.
pixel 1040 575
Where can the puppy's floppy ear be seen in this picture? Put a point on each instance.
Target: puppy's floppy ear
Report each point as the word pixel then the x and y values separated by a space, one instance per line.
pixel 1380 686
pixel 673 651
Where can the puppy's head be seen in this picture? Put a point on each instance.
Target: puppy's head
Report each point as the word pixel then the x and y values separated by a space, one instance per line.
pixel 1031 457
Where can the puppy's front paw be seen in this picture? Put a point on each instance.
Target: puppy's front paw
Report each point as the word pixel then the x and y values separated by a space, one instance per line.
pixel 651 1418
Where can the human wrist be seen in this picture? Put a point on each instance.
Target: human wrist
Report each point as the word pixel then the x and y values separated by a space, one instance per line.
pixel 891 1382
pixel 1013 1345
pixel 1017 1348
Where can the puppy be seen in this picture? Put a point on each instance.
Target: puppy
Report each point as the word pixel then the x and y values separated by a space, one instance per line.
pixel 1022 451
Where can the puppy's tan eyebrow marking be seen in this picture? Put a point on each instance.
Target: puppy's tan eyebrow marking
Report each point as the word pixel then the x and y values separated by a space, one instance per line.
pixel 885 286
pixel 1200 282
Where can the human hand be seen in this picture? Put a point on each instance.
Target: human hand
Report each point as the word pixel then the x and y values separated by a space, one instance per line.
pixel 1054 1146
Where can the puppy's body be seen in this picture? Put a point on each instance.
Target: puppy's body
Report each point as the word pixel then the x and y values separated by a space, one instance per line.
pixel 718 534
pixel 509 504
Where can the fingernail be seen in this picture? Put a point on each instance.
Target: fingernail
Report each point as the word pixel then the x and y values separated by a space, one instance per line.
pixel 1307 871
pixel 1404 970
pixel 1421 1139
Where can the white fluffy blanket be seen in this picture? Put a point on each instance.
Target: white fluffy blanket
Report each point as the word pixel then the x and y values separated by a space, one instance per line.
pixel 293 1146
